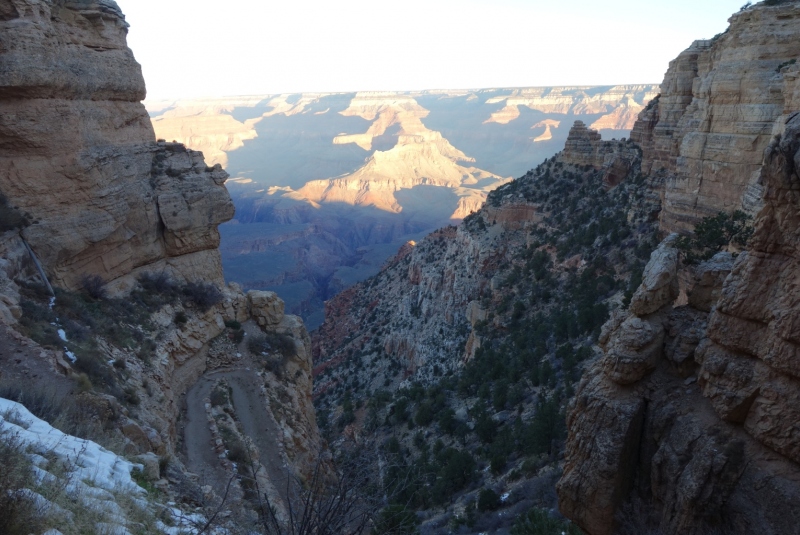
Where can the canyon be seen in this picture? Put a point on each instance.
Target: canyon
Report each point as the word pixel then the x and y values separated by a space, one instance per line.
pixel 336 183
pixel 604 344
pixel 681 419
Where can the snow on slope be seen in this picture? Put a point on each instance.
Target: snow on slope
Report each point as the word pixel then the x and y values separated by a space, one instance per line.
pixel 94 475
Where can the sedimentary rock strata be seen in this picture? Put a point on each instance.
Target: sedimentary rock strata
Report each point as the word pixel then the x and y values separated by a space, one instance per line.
pixel 79 153
pixel 695 400
pixel 720 104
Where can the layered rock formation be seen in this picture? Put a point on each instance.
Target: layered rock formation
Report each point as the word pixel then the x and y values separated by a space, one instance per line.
pixel 585 147
pixel 721 101
pixel 105 199
pixel 619 104
pixel 688 422
pixel 371 169
pixel 79 153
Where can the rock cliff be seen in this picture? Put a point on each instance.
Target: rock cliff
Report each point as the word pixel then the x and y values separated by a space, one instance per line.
pixel 721 102
pixel 79 153
pixel 483 325
pixel 688 422
pixel 112 297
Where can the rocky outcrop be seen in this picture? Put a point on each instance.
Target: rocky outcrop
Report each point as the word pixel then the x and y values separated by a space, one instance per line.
pixel 750 365
pixel 687 414
pixel 79 154
pixel 720 104
pixel 584 146
pixel 646 449
pixel 691 413
pixel 79 157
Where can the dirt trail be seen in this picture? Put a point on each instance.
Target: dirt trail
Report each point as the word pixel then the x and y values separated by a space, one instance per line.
pixel 256 420
pixel 201 459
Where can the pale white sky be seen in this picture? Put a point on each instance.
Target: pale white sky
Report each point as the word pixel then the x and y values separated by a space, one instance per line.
pixel 192 48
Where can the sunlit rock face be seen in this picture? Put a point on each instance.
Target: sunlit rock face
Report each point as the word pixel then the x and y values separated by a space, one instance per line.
pixel 721 103
pixel 79 153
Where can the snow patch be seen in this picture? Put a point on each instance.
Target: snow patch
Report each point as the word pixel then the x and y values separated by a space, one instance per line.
pixel 94 475
pixel 89 461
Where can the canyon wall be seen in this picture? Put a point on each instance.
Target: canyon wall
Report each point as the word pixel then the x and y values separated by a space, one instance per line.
pixel 688 421
pixel 101 197
pixel 721 102
pixel 79 154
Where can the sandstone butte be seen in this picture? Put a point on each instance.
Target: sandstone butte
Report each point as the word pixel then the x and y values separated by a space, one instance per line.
pixel 689 420
pixel 420 157
pixel 106 199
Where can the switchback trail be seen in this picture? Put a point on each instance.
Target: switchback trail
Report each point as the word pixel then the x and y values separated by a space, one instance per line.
pixel 255 418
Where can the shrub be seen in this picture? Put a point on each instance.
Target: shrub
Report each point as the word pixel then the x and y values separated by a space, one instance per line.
pixel 786 64
pixel 396 519
pixel 10 218
pixel 257 344
pixel 158 283
pixel 219 396
pixel 425 414
pixel 18 513
pixel 270 342
pixel 94 285
pixel 180 318
pixel 540 522
pixel 237 452
pixel 203 294
pixel 488 500
pixel 713 234
pixel 238 336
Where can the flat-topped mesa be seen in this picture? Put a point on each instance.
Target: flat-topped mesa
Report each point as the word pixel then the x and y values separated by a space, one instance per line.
pixel 80 156
pixel 721 102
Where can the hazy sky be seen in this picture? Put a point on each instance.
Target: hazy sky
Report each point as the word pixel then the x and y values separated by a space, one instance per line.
pixel 191 48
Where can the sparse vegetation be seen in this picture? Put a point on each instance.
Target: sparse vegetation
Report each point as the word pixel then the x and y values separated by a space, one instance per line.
pixel 542 293
pixel 786 64
pixel 540 522
pixel 715 233
pixel 18 512
pixel 203 294
pixel 94 286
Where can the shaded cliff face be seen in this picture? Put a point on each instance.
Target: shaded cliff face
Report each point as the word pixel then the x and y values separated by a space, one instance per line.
pixel 688 422
pixel 750 362
pixel 79 153
pixel 78 157
pixel 719 107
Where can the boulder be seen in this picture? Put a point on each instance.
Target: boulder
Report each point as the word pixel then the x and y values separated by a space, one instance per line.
pixel 265 307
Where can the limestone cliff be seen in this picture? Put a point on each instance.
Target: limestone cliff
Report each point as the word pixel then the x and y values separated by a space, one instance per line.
pixel 79 153
pixel 721 102
pixel 688 422
pixel 124 228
